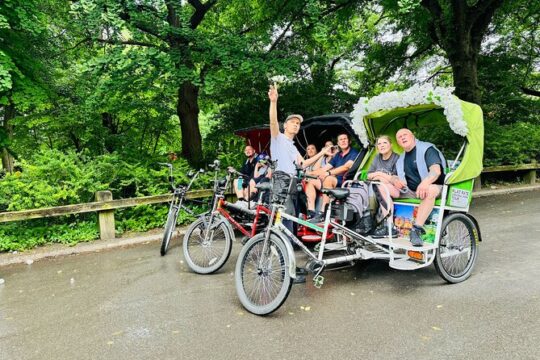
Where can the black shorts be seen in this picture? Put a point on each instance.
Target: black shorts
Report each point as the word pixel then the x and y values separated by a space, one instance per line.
pixel 260 179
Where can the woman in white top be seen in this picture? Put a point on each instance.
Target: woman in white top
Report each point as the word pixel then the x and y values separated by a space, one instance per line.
pixel 311 151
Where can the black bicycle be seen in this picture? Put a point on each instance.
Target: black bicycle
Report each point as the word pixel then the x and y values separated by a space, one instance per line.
pixel 179 193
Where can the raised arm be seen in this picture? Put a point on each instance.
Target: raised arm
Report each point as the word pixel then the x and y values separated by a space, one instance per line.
pixel 308 162
pixel 274 126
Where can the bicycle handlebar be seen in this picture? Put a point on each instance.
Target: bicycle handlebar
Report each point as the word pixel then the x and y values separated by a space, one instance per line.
pixel 215 165
pixel 171 176
pixel 237 173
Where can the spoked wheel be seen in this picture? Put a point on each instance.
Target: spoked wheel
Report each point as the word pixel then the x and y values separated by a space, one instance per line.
pixel 262 280
pixel 457 251
pixel 170 225
pixel 207 254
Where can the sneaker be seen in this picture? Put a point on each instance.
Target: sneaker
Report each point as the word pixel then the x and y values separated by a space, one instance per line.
pixel 241 203
pixel 319 218
pixel 382 232
pixel 416 236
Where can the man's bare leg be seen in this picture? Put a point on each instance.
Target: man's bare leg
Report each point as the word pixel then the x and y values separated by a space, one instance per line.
pixel 427 205
pixel 330 182
pixel 239 192
pixel 311 193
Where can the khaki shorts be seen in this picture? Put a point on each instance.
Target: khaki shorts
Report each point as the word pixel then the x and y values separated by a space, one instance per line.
pixel 409 194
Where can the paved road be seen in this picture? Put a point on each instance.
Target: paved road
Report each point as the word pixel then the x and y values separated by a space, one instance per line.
pixel 131 303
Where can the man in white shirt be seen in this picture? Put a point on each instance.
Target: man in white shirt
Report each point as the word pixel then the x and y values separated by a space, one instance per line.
pixel 283 150
pixel 282 145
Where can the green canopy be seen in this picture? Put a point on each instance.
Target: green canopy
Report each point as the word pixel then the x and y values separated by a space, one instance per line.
pixel 388 122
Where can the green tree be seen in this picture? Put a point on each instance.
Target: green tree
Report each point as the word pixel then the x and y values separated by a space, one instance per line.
pixel 25 72
pixel 174 29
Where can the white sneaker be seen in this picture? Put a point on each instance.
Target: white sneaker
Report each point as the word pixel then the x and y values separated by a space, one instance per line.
pixel 241 203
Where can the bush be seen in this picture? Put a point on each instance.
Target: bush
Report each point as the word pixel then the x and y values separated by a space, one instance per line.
pixel 14 237
pixel 54 178
pixel 517 143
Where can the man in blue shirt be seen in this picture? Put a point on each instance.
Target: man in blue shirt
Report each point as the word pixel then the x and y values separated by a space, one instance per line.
pixel 330 175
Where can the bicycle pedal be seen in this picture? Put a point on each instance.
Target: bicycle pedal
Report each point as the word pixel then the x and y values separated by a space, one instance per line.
pixel 318 281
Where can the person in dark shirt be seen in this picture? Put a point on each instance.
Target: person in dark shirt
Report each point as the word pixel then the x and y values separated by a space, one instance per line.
pixel 241 186
pixel 330 176
pixel 420 174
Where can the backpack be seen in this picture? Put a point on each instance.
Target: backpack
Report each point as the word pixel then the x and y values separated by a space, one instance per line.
pixel 356 210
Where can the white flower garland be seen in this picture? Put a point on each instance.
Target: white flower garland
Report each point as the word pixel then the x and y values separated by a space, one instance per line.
pixel 416 95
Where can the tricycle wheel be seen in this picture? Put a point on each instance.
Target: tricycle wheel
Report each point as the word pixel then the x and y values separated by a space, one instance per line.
pixel 262 279
pixel 457 251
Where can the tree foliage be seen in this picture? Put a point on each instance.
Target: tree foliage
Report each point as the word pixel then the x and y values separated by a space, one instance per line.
pixel 94 92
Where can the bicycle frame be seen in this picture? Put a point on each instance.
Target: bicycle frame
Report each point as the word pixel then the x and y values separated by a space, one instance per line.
pixel 221 208
pixel 179 194
pixel 381 248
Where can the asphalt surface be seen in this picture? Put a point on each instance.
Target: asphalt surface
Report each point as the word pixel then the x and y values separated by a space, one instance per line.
pixel 130 303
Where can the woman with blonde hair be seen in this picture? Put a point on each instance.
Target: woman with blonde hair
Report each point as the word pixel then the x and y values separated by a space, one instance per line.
pixel 383 169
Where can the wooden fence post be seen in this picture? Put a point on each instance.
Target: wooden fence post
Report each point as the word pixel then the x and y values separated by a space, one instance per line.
pixel 530 177
pixel 105 217
pixel 477 183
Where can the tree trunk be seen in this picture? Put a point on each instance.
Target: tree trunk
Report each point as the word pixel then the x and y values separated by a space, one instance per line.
pixel 107 120
pixel 458 27
pixel 188 112
pixel 7 158
pixel 464 69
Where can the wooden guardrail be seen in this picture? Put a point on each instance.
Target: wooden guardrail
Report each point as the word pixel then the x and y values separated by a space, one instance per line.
pixel 104 206
pixel 529 169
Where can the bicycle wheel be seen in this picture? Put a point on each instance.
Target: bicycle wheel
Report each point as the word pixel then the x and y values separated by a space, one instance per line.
pixel 263 290
pixel 205 256
pixel 170 225
pixel 457 251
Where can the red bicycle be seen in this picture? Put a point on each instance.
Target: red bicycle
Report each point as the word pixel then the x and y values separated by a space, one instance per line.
pixel 207 243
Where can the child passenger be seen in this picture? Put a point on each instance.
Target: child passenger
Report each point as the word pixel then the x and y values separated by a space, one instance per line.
pixel 261 173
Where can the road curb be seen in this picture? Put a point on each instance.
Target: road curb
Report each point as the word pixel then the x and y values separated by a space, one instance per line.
pixel 505 191
pixel 58 250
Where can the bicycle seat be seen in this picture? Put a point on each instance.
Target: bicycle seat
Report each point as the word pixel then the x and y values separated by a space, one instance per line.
pixel 338 194
pixel 264 186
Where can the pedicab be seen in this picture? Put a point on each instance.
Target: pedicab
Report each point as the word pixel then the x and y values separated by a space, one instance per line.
pixel 266 265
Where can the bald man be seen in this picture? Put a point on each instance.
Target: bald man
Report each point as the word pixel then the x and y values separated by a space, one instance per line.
pixel 241 186
pixel 420 175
